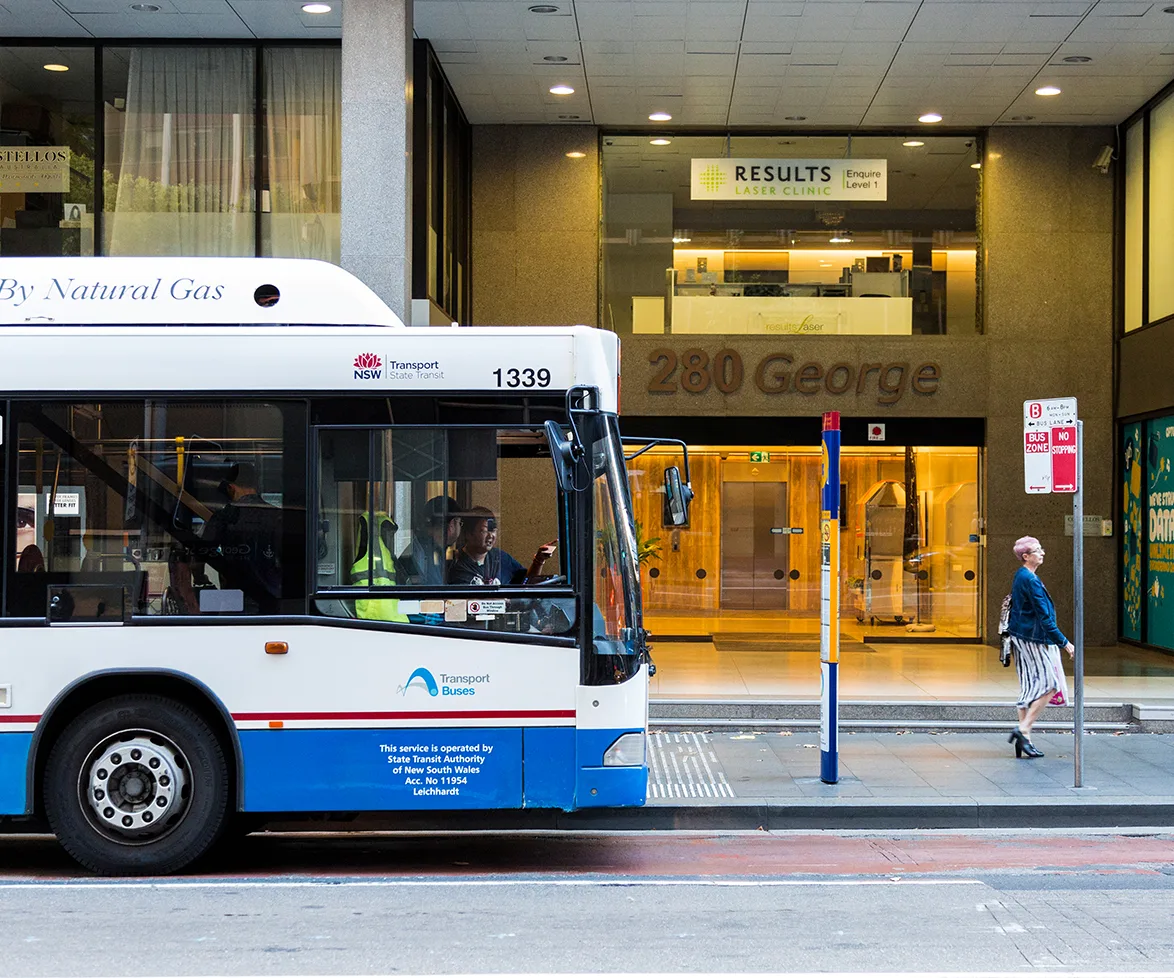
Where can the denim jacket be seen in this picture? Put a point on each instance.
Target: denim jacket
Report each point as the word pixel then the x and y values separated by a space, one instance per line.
pixel 1033 616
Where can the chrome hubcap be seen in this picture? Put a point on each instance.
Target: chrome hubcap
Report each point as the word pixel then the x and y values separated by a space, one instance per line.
pixel 135 786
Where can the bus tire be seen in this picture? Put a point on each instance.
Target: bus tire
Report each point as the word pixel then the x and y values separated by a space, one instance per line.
pixel 137 785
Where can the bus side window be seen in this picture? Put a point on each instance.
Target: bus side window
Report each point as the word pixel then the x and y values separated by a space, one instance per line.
pixel 178 504
pixel 440 510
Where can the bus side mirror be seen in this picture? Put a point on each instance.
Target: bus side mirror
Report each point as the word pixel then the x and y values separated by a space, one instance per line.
pixel 677 495
pixel 565 455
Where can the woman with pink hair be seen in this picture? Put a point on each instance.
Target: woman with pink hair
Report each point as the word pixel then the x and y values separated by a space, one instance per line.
pixel 1036 641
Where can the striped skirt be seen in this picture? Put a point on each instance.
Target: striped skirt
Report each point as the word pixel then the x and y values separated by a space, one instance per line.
pixel 1040 668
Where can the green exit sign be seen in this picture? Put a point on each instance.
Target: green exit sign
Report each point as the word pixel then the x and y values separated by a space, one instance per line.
pixel 760 456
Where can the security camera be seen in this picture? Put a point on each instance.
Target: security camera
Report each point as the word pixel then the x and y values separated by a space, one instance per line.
pixel 1104 158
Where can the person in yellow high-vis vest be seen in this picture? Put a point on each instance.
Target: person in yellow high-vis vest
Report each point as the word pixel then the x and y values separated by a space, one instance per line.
pixel 377 545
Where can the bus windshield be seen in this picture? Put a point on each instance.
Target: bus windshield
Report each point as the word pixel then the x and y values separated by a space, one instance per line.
pixel 617 614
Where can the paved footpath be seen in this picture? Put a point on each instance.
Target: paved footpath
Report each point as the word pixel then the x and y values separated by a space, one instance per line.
pixel 729 779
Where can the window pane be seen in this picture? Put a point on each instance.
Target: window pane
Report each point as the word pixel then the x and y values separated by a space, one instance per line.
pixel 1134 202
pixel 766 265
pixel 300 199
pixel 47 147
pixel 1161 153
pixel 179 151
pixel 179 508
pixel 438 508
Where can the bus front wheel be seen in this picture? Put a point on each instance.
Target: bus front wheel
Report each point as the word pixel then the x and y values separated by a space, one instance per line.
pixel 137 785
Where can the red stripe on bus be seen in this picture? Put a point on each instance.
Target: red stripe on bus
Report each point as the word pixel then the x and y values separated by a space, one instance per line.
pixel 453 715
pixel 20 719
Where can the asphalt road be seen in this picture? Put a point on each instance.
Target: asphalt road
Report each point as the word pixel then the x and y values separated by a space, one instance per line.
pixel 652 903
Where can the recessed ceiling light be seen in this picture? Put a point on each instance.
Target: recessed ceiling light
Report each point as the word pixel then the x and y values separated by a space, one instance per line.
pixel 659 117
pixel 543 8
pixel 795 118
pixel 913 142
pixel 562 90
pixel 1076 59
pixel 145 8
pixel 1168 10
pixel 1047 90
pixel 838 238
pixel 929 117
pixel 660 142
pixel 576 154
pixel 556 59
pixel 316 8
pixel 56 67
pixel 976 166
pixel 1022 118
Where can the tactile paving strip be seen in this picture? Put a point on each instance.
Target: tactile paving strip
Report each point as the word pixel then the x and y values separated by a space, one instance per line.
pixel 684 765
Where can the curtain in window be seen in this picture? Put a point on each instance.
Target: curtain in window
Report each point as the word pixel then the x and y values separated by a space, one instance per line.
pixel 185 177
pixel 303 122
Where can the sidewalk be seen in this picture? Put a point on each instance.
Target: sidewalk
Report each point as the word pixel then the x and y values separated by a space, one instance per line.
pixel 770 779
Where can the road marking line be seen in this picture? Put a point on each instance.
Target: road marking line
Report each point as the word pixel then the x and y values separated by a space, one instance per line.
pixel 259 884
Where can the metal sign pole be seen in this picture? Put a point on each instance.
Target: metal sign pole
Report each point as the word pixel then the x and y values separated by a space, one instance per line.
pixel 1078 610
pixel 829 602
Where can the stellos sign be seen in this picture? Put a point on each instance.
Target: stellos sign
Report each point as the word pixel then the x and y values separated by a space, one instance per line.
pixel 776 180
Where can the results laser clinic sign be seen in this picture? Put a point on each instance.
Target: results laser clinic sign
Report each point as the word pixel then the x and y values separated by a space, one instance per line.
pixel 741 179
pixel 34 169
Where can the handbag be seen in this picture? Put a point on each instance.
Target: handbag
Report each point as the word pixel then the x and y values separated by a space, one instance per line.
pixel 1004 633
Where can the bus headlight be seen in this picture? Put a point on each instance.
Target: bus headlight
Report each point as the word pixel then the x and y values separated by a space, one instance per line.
pixel 627 751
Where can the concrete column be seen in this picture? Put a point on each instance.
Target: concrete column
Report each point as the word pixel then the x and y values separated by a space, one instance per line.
pixel 377 147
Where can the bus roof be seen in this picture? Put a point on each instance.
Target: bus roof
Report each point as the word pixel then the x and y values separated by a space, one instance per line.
pixel 199 291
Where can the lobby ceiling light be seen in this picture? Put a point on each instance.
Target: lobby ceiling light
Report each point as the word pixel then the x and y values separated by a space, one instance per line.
pixel 562 90
pixel 681 240
pixel 929 117
pixel 660 117
pixel 56 67
pixel 1047 91
pixel 913 142
pixel 316 8
pixel 660 142
pixel 840 237
pixel 576 154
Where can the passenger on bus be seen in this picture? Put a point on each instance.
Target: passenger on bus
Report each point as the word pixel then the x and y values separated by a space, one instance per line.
pixel 426 558
pixel 243 542
pixel 375 564
pixel 481 561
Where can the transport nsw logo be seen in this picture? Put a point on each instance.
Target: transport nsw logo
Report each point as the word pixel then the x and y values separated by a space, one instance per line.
pixel 368 366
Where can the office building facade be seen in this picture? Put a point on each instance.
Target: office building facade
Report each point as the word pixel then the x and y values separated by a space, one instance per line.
pixel 942 274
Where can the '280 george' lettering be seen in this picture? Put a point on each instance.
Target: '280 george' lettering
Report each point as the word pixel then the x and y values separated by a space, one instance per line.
pixel 778 373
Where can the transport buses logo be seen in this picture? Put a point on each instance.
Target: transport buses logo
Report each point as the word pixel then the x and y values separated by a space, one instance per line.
pixel 420 679
pixel 449 685
pixel 367 366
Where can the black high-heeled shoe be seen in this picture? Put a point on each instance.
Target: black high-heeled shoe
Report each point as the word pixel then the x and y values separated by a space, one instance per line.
pixel 1017 739
pixel 1030 749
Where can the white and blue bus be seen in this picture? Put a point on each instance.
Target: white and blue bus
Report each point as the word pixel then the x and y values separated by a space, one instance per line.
pixel 267 550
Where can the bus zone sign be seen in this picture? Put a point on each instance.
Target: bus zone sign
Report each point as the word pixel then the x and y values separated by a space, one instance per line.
pixel 1050 445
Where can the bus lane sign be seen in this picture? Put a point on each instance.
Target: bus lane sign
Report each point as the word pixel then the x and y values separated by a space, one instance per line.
pixel 1049 462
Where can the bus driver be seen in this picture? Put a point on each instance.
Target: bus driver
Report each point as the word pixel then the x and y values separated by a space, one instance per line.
pixel 480 561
